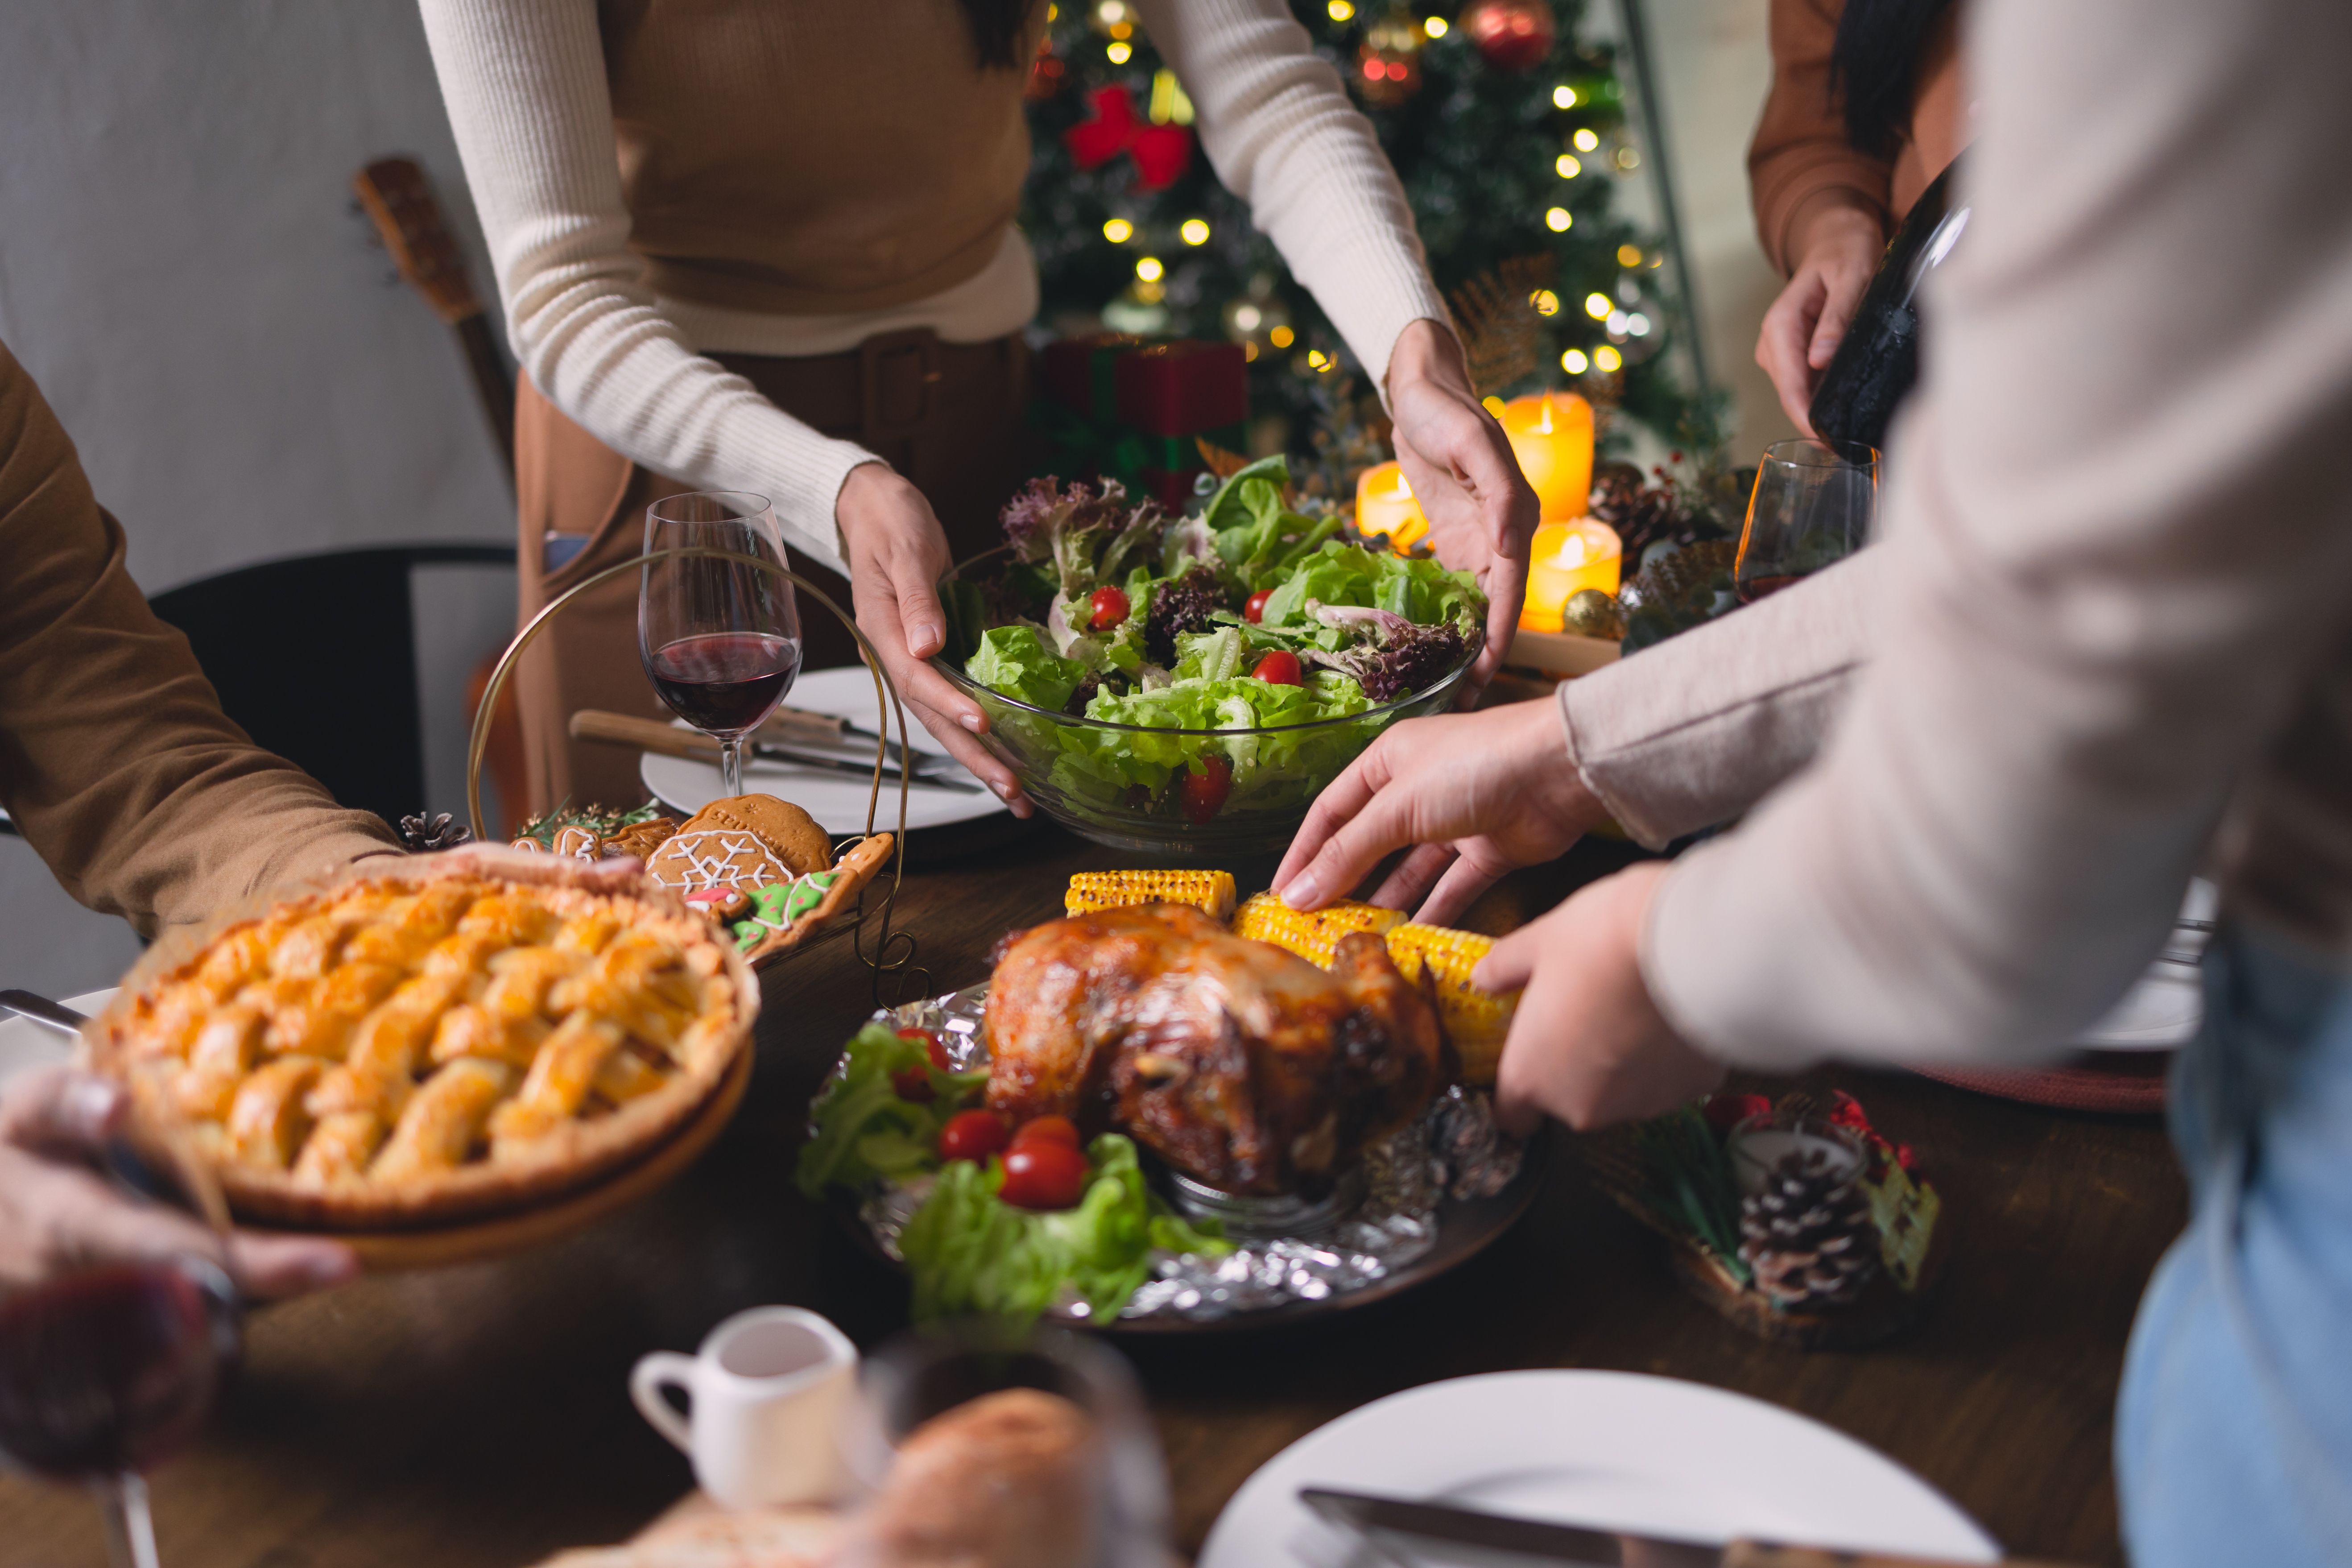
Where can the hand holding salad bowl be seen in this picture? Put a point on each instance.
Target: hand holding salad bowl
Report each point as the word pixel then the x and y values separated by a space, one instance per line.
pixel 1190 683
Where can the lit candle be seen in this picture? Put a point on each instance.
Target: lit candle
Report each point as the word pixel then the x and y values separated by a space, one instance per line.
pixel 1567 556
pixel 1384 504
pixel 1551 435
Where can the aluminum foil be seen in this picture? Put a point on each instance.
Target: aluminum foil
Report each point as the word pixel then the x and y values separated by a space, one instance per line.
pixel 1455 1151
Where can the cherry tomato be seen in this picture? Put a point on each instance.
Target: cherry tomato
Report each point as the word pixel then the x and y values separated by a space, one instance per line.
pixel 933 1044
pixel 1280 668
pixel 973 1135
pixel 1041 1175
pixel 1047 1130
pixel 1111 607
pixel 1255 611
pixel 1203 793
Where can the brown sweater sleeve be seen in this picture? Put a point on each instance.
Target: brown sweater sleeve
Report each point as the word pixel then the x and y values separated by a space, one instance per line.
pixel 116 761
pixel 1799 155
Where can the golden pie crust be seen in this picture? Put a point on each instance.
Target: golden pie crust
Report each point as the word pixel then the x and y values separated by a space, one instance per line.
pixel 432 1043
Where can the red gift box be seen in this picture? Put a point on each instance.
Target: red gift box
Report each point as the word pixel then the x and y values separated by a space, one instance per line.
pixel 1182 388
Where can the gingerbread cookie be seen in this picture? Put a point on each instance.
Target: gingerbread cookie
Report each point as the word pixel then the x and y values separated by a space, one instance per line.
pixel 576 842
pixel 791 833
pixel 722 904
pixel 695 858
pixel 639 838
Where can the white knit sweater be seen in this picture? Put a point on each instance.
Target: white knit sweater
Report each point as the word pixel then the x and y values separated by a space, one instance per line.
pixel 525 83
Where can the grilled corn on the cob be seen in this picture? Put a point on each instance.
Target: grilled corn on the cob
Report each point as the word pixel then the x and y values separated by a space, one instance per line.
pixel 1314 936
pixel 1475 1021
pixel 1210 891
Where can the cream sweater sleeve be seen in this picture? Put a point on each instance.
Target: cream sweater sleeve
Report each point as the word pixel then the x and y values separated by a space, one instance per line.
pixel 524 81
pixel 1279 127
pixel 2118 558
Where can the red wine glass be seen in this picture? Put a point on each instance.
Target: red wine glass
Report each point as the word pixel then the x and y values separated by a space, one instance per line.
pixel 1812 506
pixel 720 639
pixel 110 1370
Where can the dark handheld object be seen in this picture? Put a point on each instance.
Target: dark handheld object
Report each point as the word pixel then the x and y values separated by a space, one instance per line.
pixel 1878 359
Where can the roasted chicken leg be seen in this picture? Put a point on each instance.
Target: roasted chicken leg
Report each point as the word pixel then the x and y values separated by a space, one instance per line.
pixel 1241 1065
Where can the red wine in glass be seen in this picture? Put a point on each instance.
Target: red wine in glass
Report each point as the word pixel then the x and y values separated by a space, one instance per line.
pixel 1751 589
pixel 723 682
pixel 115 1368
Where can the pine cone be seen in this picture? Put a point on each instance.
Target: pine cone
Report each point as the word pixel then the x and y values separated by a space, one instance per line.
pixel 1808 1234
pixel 1686 581
pixel 424 835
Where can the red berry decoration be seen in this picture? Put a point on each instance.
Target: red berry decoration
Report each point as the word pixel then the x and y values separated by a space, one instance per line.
pixel 1255 611
pixel 973 1135
pixel 1725 1111
pixel 1044 1174
pixel 1846 1111
pixel 1111 607
pixel 1203 793
pixel 1511 35
pixel 1281 667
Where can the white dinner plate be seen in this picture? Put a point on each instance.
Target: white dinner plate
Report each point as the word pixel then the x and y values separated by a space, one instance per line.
pixel 837 801
pixel 2162 1011
pixel 1614 1449
pixel 25 1045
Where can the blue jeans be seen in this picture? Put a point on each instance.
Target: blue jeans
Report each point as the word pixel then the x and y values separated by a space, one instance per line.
pixel 2233 1431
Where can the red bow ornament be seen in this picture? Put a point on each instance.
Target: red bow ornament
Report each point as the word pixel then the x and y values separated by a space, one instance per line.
pixel 1162 153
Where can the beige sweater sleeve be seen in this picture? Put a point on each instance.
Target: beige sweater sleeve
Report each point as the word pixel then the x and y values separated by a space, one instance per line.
pixel 1283 134
pixel 2117 554
pixel 116 761
pixel 1693 731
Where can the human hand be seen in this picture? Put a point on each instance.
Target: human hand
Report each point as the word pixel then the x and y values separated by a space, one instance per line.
pixel 1587 1043
pixel 56 1214
pixel 1482 514
pixel 1838 249
pixel 897 556
pixel 1481 793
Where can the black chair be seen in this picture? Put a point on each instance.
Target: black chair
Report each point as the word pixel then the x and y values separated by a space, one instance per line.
pixel 315 658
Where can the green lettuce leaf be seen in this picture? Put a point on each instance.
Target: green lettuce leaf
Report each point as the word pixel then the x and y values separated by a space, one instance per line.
pixel 1015 661
pixel 1420 589
pixel 972 1253
pixel 862 1130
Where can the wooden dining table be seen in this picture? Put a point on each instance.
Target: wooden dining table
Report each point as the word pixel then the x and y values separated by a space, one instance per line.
pixel 478 1414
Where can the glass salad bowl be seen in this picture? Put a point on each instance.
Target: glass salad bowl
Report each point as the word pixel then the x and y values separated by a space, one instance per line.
pixel 1192 794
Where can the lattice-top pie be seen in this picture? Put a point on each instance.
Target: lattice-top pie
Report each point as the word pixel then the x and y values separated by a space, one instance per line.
pixel 416 1047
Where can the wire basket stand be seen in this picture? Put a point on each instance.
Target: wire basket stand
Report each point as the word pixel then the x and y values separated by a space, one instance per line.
pixel 894 951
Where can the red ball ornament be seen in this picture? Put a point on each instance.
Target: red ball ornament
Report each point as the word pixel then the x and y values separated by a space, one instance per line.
pixel 1512 35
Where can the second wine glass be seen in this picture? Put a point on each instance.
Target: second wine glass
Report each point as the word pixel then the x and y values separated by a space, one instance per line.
pixel 720 639
pixel 1812 506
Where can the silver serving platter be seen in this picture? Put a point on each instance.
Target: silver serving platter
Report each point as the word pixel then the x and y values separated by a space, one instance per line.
pixel 1427 1201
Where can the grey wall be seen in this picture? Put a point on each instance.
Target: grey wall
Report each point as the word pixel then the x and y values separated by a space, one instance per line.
pixel 1715 67
pixel 180 269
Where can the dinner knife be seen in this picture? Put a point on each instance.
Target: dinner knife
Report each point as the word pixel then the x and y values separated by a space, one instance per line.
pixel 786 725
pixel 669 741
pixel 41 1010
pixel 1373 1516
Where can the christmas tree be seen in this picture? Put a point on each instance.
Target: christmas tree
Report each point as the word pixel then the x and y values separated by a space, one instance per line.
pixel 1509 134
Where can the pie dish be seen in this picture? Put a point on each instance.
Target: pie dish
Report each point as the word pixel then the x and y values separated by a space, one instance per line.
pixel 432 1043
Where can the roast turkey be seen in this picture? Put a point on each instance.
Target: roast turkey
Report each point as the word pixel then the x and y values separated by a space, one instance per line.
pixel 1239 1064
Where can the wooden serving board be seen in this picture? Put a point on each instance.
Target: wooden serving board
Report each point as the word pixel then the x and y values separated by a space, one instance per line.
pixel 395 1251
